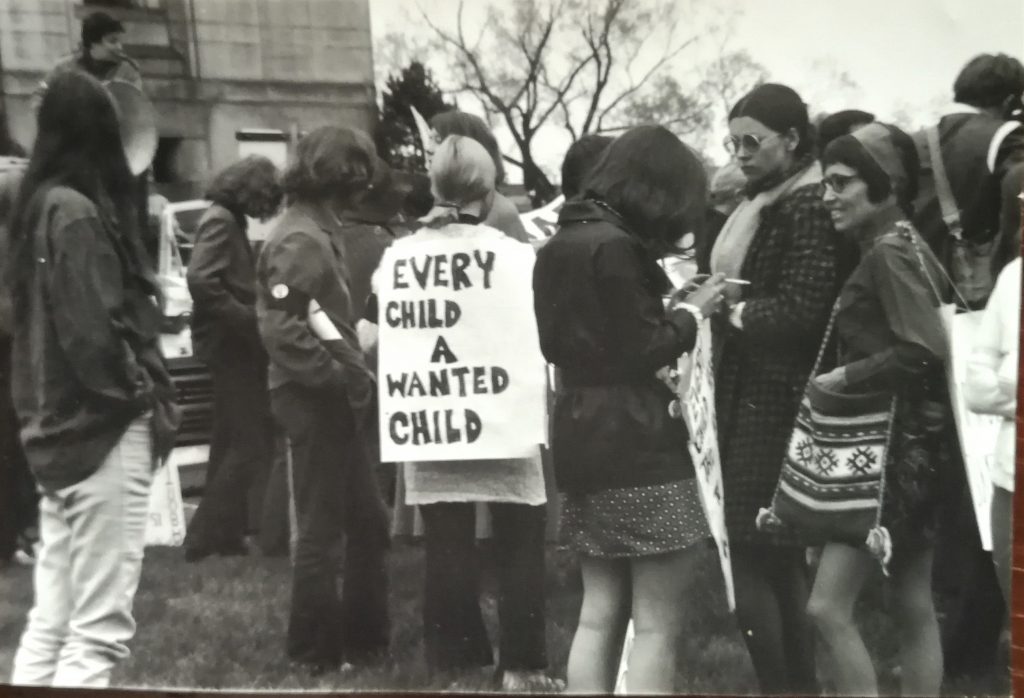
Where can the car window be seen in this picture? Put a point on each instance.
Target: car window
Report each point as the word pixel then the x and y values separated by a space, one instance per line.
pixel 185 225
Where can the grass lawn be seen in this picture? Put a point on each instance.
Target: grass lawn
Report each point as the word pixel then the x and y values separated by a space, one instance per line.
pixel 220 624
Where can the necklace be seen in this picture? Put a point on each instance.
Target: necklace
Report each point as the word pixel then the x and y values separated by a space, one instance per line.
pixel 606 207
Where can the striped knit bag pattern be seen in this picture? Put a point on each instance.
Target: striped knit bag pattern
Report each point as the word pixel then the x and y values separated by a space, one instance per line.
pixel 833 476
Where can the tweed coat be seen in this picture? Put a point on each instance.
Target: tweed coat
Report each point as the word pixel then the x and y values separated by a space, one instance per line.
pixel 761 371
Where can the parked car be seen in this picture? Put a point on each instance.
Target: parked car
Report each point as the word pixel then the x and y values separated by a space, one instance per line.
pixel 191 378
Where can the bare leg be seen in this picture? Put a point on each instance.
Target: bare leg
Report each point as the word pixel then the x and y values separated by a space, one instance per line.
pixel 597 644
pixel 920 646
pixel 841 576
pixel 660 583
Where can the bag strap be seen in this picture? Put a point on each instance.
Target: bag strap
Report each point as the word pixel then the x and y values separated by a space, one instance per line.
pixel 885 462
pixel 947 204
pixel 912 234
pixel 824 340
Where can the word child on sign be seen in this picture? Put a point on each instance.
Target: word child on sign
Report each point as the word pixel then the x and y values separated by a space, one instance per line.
pixel 461 372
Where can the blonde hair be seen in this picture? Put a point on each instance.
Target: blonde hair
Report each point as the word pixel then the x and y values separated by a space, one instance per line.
pixel 461 172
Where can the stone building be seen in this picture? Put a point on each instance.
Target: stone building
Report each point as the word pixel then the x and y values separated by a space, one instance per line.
pixel 212 68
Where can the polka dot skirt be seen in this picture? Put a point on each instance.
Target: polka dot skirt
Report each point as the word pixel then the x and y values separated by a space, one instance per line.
pixel 635 521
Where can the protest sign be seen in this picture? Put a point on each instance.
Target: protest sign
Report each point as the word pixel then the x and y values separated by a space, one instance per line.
pixel 426 135
pixel 697 398
pixel 541 223
pixel 979 433
pixel 461 373
pixel 165 520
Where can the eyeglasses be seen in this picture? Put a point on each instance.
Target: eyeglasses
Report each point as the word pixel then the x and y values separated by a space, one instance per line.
pixel 836 182
pixel 748 142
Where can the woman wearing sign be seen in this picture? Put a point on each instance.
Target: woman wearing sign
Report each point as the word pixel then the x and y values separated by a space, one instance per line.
pixel 891 339
pixel 631 508
pixel 502 213
pixel 462 176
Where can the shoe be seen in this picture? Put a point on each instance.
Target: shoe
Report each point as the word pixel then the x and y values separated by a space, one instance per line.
pixel 530 682
pixel 317 669
pixel 23 558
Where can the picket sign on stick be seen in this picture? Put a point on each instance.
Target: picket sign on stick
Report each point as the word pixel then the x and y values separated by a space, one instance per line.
pixel 979 433
pixel 426 135
pixel 165 519
pixel 697 398
pixel 541 223
pixel 696 390
pixel 461 373
pixel 627 647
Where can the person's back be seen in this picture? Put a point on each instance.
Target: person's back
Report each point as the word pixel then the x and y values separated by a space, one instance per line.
pixel 979 145
pixel 977 149
pixel 988 95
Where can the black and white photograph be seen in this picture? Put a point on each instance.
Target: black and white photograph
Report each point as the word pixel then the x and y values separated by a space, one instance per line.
pixel 510 346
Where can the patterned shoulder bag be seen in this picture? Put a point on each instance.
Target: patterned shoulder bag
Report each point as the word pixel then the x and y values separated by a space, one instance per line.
pixel 832 483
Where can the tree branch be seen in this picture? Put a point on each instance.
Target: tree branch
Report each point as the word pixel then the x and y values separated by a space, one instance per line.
pixel 647 76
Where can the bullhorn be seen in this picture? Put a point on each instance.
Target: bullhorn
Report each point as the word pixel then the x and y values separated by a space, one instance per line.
pixel 137 119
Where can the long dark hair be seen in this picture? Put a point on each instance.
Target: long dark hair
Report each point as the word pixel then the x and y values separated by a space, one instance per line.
pixel 655 182
pixel 78 145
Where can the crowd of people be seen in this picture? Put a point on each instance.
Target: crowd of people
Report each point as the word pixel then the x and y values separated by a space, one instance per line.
pixel 841 238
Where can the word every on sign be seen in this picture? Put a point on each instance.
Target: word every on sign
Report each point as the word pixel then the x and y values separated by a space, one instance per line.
pixel 457 270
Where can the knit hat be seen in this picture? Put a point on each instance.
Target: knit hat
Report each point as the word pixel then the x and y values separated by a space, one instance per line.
pixel 98 25
pixel 877 142
pixel 779 108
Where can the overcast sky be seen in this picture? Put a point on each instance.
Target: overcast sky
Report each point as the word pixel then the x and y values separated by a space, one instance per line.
pixel 902 54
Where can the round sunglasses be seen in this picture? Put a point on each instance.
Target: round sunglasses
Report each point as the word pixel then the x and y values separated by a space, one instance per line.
pixel 748 142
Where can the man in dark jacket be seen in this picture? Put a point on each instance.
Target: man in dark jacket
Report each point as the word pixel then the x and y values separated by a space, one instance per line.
pixel 980 138
pixel 222 281
pixel 323 394
pixel 100 54
pixel 981 145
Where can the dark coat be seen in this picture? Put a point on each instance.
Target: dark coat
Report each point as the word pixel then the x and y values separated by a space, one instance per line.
pixel 222 281
pixel 601 320
pixel 301 261
pixel 86 354
pixel 763 368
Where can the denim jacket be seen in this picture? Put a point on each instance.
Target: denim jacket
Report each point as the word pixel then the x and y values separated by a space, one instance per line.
pixel 85 359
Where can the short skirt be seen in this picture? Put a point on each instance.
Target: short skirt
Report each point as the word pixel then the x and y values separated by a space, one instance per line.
pixel 635 521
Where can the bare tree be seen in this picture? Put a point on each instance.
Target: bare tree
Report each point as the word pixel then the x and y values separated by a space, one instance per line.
pixel 586 65
pixel 730 76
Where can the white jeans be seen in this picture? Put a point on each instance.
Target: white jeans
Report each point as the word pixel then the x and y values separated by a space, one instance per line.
pixel 92 537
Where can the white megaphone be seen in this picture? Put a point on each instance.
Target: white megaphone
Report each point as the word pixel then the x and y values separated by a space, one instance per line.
pixel 137 119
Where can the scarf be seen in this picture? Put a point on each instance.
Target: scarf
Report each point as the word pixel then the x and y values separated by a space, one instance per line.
pixel 730 249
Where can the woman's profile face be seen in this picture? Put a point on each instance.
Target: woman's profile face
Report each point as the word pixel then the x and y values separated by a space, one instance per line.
pixel 760 151
pixel 845 195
